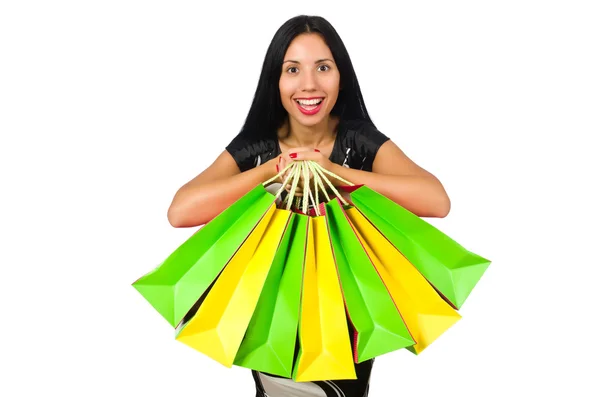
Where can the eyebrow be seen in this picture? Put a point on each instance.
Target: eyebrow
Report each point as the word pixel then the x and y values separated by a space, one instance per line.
pixel 317 61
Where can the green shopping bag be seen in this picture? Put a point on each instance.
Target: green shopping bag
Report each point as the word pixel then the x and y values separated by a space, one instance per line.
pixel 175 286
pixel 379 328
pixel 447 265
pixel 270 340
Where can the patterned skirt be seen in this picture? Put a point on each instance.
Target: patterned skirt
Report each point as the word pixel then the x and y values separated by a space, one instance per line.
pixel 276 386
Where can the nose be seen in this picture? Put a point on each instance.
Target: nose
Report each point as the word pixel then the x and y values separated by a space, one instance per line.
pixel 309 82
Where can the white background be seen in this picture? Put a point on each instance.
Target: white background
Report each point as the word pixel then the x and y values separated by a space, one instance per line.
pixel 108 107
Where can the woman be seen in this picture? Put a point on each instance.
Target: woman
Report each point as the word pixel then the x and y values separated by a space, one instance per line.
pixel 308 106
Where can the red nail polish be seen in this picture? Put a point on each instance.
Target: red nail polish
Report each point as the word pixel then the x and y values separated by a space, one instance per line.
pixel 293 155
pixel 317 150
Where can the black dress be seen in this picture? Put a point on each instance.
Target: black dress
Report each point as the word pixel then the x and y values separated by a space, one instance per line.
pixel 356 145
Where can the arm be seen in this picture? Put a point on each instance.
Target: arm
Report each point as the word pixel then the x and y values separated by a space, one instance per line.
pixel 395 176
pixel 215 189
pixel 401 180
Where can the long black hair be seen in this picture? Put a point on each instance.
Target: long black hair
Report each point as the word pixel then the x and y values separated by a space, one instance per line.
pixel 267 113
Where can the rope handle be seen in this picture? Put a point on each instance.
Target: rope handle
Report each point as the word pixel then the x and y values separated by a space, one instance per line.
pixel 304 168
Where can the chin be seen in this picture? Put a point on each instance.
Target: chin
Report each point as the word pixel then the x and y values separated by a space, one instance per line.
pixel 311 122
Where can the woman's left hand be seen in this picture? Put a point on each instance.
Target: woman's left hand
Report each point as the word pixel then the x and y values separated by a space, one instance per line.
pixel 300 154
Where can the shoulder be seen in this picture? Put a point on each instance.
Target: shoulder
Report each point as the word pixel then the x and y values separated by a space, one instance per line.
pixel 249 153
pixel 362 133
pixel 359 142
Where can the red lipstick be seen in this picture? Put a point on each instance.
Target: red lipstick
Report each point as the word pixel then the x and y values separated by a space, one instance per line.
pixel 311 111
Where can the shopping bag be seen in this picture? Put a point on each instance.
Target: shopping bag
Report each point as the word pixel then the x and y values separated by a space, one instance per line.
pixel 447 265
pixel 174 286
pixel 270 341
pixel 379 327
pixel 325 350
pixel 426 314
pixel 222 318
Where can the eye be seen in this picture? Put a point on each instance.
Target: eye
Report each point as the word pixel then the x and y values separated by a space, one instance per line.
pixel 292 69
pixel 323 68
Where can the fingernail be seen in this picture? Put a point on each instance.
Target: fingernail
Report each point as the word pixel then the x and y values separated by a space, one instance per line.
pixel 317 150
pixel 293 155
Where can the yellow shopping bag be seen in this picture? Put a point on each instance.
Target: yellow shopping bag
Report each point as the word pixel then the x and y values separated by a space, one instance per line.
pixel 217 329
pixel 425 313
pixel 325 348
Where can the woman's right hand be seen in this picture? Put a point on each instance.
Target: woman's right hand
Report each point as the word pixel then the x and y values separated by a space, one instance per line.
pixel 280 165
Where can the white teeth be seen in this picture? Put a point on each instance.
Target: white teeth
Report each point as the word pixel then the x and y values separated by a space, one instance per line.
pixel 309 102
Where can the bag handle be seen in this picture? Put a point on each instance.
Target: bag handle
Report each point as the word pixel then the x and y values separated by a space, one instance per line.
pixel 304 168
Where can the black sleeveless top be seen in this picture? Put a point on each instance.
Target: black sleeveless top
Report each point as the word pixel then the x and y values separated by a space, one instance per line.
pixel 356 145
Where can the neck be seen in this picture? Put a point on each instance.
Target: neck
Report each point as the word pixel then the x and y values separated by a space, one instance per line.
pixel 298 135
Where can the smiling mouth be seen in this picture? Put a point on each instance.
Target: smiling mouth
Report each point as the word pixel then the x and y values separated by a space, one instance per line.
pixel 309 104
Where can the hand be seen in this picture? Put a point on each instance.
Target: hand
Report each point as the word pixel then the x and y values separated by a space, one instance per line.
pixel 300 154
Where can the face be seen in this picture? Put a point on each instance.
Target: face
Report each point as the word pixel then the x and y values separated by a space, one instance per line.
pixel 310 81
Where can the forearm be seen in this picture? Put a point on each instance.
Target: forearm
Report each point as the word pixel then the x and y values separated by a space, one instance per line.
pixel 423 195
pixel 197 205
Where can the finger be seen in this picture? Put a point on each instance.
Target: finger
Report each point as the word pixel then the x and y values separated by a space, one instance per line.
pixel 284 161
pixel 306 155
pixel 284 164
pixel 285 176
pixel 310 176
